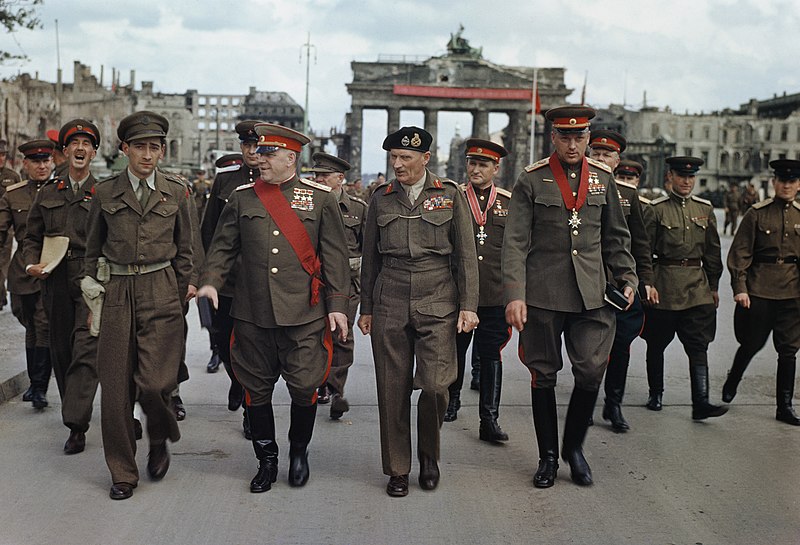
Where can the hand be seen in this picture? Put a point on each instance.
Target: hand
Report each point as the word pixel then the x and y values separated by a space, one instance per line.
pixel 37 271
pixel 517 314
pixel 211 293
pixel 467 321
pixel 365 323
pixel 338 320
pixel 628 293
pixel 715 295
pixel 742 299
pixel 652 295
pixel 190 293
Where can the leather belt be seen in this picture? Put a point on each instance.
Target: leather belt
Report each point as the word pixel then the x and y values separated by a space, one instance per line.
pixel 775 260
pixel 131 270
pixel 417 265
pixel 679 262
pixel 74 254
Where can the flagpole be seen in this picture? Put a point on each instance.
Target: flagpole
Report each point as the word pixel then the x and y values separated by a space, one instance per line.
pixel 533 114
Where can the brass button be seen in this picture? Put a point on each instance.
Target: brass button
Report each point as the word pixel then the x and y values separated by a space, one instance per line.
pixel 480 258
pixel 276 232
pixel 767 231
pixel 575 232
pixel 273 270
pixel 574 252
pixel 275 250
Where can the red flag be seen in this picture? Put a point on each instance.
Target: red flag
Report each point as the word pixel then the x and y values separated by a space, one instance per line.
pixel 538 102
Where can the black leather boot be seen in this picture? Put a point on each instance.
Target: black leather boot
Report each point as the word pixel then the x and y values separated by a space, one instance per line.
pixel 300 431
pixel 581 405
pixel 655 380
pixel 615 390
pixel 474 383
pixel 262 427
pixel 545 421
pixel 29 362
pixel 784 391
pixel 451 414
pixel 248 434
pixel 43 368
pixel 235 392
pixel 491 383
pixel 701 408
pixel 740 363
pixel 213 364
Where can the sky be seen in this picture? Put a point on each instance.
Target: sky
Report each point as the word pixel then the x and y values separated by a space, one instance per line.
pixel 691 55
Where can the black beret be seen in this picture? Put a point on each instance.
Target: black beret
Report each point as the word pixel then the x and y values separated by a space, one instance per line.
pixel 410 138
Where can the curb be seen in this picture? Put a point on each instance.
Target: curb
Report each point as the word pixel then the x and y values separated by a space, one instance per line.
pixel 12 387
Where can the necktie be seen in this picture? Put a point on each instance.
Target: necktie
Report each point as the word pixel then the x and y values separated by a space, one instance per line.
pixel 144 193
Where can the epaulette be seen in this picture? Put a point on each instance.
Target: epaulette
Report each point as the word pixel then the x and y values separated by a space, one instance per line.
pixel 315 185
pixel 245 186
pixel 704 201
pixel 447 181
pixel 659 200
pixel 625 184
pixel 463 186
pixel 358 200
pixel 113 177
pixel 645 200
pixel 504 192
pixel 538 164
pixel 765 202
pixel 176 178
pixel 17 185
pixel 229 168
pixel 600 165
pixel 796 205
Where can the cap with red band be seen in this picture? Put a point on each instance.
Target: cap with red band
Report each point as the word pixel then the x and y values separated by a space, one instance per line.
pixel 76 127
pixel 607 139
pixel 272 137
pixel 37 149
pixel 570 118
pixel 229 160
pixel 484 149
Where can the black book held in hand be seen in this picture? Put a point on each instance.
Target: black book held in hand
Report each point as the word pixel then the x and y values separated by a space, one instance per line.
pixel 615 297
pixel 206 312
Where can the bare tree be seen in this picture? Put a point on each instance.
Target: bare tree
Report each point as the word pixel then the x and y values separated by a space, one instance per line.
pixel 18 14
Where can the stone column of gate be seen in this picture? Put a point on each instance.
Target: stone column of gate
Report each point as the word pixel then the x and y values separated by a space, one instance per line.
pixel 432 126
pixel 517 136
pixel 392 124
pixel 354 130
pixel 480 124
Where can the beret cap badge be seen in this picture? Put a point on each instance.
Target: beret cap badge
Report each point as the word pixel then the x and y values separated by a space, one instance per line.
pixel 405 141
pixel 416 141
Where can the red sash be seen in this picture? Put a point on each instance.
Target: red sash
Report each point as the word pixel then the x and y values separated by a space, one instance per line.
pixel 570 201
pixel 287 221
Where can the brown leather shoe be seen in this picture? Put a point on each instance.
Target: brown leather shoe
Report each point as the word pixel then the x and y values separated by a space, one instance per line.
pixel 158 461
pixel 428 474
pixel 121 491
pixel 398 486
pixel 75 443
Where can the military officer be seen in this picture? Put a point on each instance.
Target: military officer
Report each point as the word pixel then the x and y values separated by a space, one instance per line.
pixel 330 170
pixel 606 147
pixel 291 293
pixel 139 247
pixel 488 205
pixel 7 177
pixel 763 262
pixel 60 209
pixel 630 172
pixel 60 163
pixel 564 224
pixel 687 266
pixel 201 188
pixel 233 170
pixel 417 282
pixel 26 299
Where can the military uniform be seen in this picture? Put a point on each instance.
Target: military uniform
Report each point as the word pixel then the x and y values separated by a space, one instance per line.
pixel 565 226
pixel 60 210
pixel 26 297
pixel 687 267
pixel 763 262
pixel 149 258
pixel 8 177
pixel 279 308
pixel 419 263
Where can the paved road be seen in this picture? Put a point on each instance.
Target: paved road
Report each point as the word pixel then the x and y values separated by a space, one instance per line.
pixel 731 480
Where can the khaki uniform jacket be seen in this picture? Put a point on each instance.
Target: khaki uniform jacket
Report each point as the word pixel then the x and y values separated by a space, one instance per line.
pixel 8 177
pixel 640 239
pixel 14 207
pixel 490 278
pixel 436 225
pixel 354 216
pixel 224 184
pixel 57 211
pixel 272 288
pixel 685 228
pixel 771 228
pixel 121 231
pixel 553 266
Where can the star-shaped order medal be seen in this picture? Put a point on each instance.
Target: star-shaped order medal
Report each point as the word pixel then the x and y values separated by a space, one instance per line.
pixel 574 220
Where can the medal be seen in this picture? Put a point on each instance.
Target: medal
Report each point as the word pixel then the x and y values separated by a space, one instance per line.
pixel 571 200
pixel 481 236
pixel 574 220
pixel 475 208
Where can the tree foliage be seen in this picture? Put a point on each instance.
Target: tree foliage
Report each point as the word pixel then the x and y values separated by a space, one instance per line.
pixel 16 14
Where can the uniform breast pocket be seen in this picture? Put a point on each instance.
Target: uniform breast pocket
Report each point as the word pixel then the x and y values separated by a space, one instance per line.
pixel 252 222
pixel 164 215
pixel 436 228
pixel 54 214
pixel 765 235
pixel 115 214
pixel 392 232
pixel 548 209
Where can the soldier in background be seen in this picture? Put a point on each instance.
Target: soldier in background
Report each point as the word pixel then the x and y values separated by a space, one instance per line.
pixel 417 279
pixel 60 162
pixel 60 209
pixel 606 146
pixel 139 249
pixel 763 261
pixel 7 177
pixel 687 266
pixel 731 204
pixel 488 206
pixel 330 170
pixel 565 226
pixel 201 187
pixel 26 295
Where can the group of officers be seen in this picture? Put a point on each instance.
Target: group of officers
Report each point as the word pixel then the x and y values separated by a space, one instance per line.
pixel 571 253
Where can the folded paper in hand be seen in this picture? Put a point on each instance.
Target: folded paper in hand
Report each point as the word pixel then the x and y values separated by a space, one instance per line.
pixel 53 251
